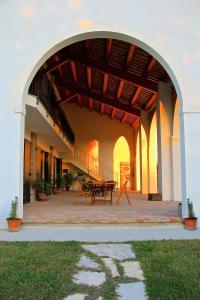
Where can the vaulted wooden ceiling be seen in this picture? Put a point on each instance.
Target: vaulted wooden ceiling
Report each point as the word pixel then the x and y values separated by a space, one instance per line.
pixel 109 76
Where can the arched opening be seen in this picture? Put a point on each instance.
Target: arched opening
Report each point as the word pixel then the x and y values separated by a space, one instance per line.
pixel 121 162
pixel 98 100
pixel 92 156
pixel 153 156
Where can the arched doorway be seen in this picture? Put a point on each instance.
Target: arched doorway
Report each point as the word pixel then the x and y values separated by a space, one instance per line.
pixel 124 118
pixel 121 161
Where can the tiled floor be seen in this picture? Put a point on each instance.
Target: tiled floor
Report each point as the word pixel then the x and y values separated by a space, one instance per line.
pixel 61 208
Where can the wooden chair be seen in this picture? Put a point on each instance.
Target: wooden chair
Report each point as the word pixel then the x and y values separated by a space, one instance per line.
pixel 82 193
pixel 123 191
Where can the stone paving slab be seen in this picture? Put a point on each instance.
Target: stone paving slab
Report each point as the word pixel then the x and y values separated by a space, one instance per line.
pixel 110 265
pixel 89 278
pixel 131 291
pixel 75 297
pixel 117 251
pixel 88 263
pixel 132 269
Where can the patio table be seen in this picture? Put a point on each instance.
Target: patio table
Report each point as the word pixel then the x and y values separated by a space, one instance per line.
pixel 104 188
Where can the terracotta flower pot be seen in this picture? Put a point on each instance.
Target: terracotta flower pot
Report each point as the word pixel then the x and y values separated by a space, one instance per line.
pixel 190 224
pixel 14 225
pixel 41 196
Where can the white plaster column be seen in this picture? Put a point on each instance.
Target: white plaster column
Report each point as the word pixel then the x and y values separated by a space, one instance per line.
pixel 51 159
pixel 11 159
pixel 190 158
pixel 164 136
pixel 176 151
pixel 144 153
pixel 176 168
pixel 33 166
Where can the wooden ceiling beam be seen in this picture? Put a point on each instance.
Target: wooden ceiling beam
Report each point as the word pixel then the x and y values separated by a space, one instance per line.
pixel 102 109
pixel 105 83
pixel 90 104
pixel 60 70
pixel 97 97
pixel 151 64
pixel 68 98
pixel 135 123
pixel 124 117
pixel 57 65
pixel 151 101
pixel 130 55
pixel 108 50
pixel 136 95
pixel 113 113
pixel 111 70
pixel 73 70
pixel 120 89
pixel 89 77
pixel 79 99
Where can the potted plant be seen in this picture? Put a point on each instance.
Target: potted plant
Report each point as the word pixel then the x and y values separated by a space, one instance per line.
pixel 13 222
pixel 69 180
pixel 191 221
pixel 42 188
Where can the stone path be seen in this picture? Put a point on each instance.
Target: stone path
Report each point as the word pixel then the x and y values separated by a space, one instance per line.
pixel 93 274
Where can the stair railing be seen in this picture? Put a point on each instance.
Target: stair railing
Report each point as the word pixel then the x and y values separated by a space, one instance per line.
pixel 91 164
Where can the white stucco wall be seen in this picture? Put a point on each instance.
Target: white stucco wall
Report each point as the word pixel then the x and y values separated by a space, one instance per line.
pixel 33 30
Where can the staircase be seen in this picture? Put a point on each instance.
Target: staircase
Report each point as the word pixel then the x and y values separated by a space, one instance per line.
pixel 88 164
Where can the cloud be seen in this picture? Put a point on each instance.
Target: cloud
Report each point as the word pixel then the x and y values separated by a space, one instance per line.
pixel 84 23
pixel 75 4
pixel 28 10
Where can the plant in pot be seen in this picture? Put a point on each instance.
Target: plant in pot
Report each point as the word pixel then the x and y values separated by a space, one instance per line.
pixel 42 188
pixel 190 222
pixel 69 180
pixel 13 221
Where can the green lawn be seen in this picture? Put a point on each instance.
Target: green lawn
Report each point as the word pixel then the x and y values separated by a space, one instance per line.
pixel 171 269
pixel 44 270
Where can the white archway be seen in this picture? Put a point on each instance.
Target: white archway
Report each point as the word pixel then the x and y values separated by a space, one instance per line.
pixel 24 78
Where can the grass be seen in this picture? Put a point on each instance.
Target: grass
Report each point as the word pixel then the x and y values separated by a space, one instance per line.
pixel 171 268
pixel 44 270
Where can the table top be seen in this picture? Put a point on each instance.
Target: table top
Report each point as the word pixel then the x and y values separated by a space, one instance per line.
pixel 101 183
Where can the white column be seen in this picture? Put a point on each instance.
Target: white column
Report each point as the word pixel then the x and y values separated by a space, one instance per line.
pixel 176 168
pixel 33 166
pixel 190 161
pixel 11 159
pixel 144 153
pixel 164 130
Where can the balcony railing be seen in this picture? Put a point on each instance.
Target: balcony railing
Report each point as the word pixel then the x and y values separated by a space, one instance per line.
pixel 42 89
